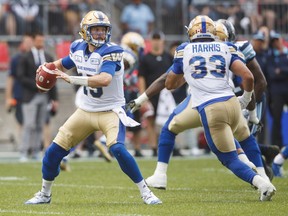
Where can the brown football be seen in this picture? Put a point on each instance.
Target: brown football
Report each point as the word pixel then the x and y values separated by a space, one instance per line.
pixel 46 79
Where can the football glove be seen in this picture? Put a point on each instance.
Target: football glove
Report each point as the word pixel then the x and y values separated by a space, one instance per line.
pixel 136 104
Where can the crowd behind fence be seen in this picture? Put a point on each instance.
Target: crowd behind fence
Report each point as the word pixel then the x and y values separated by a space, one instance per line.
pixel 60 18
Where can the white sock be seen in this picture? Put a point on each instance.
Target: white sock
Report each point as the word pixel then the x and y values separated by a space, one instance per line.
pixel 244 159
pixel 143 187
pixel 46 187
pixel 279 159
pixel 161 168
pixel 258 181
pixel 262 173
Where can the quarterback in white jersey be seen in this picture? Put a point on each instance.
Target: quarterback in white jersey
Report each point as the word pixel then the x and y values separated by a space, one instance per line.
pixel 100 66
pixel 206 67
pixel 89 64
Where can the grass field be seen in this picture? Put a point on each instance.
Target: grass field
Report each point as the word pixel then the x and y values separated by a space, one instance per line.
pixel 196 186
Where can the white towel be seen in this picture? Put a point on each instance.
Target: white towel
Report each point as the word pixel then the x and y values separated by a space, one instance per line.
pixel 126 120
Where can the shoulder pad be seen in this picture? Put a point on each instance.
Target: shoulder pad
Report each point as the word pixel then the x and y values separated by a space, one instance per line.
pixel 180 49
pixel 76 43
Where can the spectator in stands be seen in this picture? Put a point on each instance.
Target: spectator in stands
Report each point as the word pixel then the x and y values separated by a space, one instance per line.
pixel 27 16
pixel 7 19
pixel 232 11
pixel 34 104
pixel 137 17
pixel 196 7
pixel 13 90
pixel 265 30
pixel 252 18
pixel 56 21
pixel 73 17
pixel 152 66
pixel 277 77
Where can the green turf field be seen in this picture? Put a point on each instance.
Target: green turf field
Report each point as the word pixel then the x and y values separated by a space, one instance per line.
pixel 196 186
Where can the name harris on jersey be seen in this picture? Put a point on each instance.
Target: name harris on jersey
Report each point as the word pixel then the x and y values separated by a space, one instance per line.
pixel 207 47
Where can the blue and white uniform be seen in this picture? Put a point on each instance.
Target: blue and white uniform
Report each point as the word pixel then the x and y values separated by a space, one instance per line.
pixel 89 64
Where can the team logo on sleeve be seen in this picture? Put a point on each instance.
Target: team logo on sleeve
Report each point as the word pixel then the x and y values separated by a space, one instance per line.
pixel 113 57
pixel 78 58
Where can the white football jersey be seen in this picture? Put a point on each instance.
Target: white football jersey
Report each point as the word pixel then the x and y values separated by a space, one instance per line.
pixel 89 64
pixel 206 70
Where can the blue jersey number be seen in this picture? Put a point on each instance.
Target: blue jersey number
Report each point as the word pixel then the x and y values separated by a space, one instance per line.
pixel 201 70
pixel 97 93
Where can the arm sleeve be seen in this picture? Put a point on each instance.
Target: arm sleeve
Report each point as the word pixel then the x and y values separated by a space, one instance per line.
pixel 108 67
pixel 68 63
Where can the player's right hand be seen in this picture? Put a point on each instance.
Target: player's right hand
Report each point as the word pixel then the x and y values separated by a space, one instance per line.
pixel 132 106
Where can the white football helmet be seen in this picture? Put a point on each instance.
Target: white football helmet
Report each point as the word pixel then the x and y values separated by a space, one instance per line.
pixel 201 27
pixel 95 18
pixel 221 31
pixel 134 41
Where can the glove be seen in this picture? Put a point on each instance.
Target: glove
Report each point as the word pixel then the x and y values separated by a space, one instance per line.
pixel 245 99
pixel 132 106
pixel 136 104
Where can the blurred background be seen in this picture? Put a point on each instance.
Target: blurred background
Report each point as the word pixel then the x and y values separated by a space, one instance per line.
pixel 59 21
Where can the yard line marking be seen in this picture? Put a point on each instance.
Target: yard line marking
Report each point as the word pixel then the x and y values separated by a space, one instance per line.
pixel 31 212
pixel 12 178
pixel 121 188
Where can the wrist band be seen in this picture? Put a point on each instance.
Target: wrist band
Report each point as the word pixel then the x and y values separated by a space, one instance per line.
pixel 142 98
pixel 79 80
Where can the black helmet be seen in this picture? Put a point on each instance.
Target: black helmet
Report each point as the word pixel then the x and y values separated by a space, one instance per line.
pixel 230 29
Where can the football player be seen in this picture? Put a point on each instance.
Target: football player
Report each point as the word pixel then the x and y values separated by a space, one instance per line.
pixel 100 64
pixel 279 161
pixel 184 118
pixel 255 109
pixel 206 66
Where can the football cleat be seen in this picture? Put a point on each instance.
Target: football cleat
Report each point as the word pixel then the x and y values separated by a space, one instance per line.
pixel 39 198
pixel 158 181
pixel 277 170
pixel 270 153
pixel 151 199
pixel 103 150
pixel 64 166
pixel 266 191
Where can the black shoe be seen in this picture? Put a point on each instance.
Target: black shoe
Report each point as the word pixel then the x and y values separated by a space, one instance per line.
pixel 270 153
pixel 176 152
pixel 76 155
pixel 268 169
pixel 138 153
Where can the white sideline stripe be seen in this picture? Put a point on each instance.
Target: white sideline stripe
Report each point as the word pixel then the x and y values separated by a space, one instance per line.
pixel 31 212
pixel 118 188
